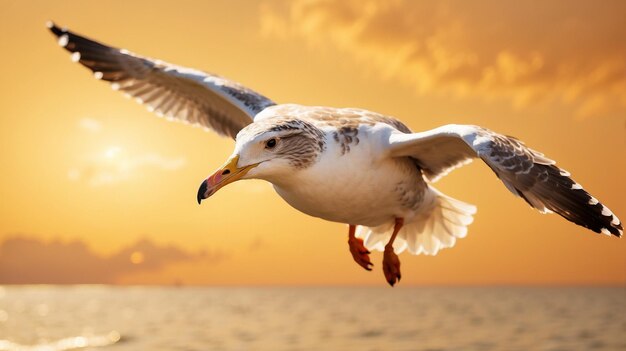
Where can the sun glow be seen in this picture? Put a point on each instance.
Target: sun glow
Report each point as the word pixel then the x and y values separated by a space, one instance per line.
pixel 112 152
pixel 137 257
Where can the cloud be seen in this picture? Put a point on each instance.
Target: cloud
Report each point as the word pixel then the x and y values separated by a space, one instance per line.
pixel 571 52
pixel 30 261
pixel 114 164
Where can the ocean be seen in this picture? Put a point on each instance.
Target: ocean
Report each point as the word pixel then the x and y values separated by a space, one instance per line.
pixel 55 318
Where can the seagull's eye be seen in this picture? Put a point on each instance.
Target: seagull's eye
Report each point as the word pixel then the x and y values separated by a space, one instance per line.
pixel 270 143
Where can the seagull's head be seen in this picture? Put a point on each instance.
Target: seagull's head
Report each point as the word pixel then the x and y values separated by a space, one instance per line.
pixel 271 150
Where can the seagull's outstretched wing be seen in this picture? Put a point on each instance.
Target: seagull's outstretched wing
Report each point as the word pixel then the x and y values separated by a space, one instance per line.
pixel 525 172
pixel 175 92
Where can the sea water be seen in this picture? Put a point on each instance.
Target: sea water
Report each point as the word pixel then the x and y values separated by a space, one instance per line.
pixel 54 318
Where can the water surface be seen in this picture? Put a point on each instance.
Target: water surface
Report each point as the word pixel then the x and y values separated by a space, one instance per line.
pixel 55 318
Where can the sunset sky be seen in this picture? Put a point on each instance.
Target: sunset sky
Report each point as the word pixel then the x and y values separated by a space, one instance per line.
pixel 94 180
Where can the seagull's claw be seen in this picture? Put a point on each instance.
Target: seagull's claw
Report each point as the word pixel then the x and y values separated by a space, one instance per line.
pixel 359 253
pixel 391 266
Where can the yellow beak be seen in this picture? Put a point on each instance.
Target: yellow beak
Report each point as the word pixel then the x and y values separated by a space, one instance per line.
pixel 227 174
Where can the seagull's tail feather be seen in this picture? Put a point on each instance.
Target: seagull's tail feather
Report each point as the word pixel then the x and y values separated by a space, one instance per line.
pixel 442 221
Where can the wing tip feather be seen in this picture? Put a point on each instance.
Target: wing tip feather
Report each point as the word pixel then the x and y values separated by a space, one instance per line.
pixel 561 194
pixel 56 30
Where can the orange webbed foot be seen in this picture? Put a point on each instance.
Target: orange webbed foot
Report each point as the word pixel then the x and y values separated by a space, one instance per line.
pixel 391 266
pixel 359 253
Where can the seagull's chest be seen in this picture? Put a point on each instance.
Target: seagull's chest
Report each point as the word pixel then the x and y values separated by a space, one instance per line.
pixel 351 183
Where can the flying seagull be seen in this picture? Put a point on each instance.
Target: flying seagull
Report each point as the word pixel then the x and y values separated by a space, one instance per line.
pixel 345 165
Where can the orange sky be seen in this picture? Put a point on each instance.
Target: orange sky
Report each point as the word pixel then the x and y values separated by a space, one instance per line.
pixel 81 163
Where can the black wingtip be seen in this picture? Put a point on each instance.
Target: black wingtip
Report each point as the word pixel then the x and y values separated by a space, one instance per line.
pixel 614 227
pixel 56 30
pixel 554 190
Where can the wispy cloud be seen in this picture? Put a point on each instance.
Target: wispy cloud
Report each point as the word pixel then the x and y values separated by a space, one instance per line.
pixel 26 260
pixel 571 52
pixel 90 124
pixel 114 164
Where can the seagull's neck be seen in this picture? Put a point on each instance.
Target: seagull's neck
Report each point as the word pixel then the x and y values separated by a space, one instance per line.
pixel 284 182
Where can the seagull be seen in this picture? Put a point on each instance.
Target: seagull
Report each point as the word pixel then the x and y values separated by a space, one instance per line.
pixel 346 165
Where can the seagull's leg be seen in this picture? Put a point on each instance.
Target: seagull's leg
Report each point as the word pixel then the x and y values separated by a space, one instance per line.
pixel 358 250
pixel 391 262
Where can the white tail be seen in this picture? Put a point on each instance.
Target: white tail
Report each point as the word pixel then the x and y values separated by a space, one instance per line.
pixel 440 221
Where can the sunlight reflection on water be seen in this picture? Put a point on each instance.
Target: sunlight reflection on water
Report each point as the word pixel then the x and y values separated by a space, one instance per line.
pixel 53 318
pixel 72 343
